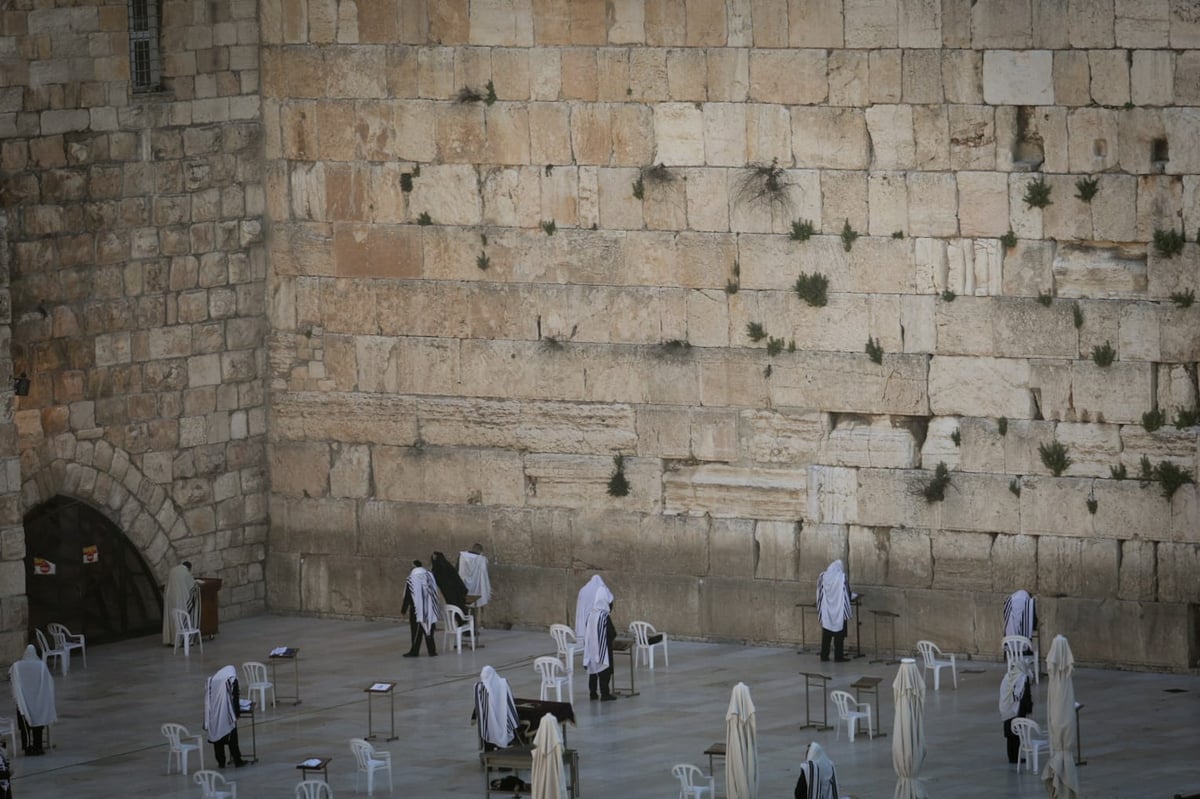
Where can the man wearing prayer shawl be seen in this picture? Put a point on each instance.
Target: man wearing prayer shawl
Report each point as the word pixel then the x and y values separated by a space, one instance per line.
pixel 423 609
pixel 584 602
pixel 448 582
pixel 1020 614
pixel 599 634
pixel 33 690
pixel 833 605
pixel 1016 701
pixel 180 593
pixel 221 708
pixel 817 779
pixel 495 710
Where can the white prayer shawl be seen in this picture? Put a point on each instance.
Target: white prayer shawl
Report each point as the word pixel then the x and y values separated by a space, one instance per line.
pixel 219 715
pixel 1019 614
pixel 180 592
pixel 495 708
pixel 33 689
pixel 833 597
pixel 473 569
pixel 426 606
pixel 585 601
pixel 596 656
pixel 1012 688
pixel 818 774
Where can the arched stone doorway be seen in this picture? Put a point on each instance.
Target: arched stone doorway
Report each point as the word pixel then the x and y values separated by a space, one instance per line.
pixel 108 593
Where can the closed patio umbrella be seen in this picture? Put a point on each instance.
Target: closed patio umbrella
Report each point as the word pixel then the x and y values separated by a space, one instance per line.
pixel 908 732
pixel 741 746
pixel 548 778
pixel 1060 774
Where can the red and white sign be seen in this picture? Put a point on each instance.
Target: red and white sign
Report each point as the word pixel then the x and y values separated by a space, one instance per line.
pixel 43 566
pixel 91 554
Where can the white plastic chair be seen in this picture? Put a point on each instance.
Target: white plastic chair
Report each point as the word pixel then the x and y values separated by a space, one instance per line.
pixel 692 782
pixel 850 712
pixel 1028 730
pixel 313 789
pixel 643 631
pixel 370 760
pixel 8 726
pixel 1016 647
pixel 178 750
pixel 214 786
pixel 458 623
pixel 929 651
pixel 184 632
pixel 567 644
pixel 64 662
pixel 257 682
pixel 67 640
pixel 554 675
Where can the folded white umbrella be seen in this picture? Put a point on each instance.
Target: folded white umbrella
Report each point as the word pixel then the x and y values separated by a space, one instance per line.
pixel 1060 774
pixel 741 746
pixel 908 732
pixel 549 780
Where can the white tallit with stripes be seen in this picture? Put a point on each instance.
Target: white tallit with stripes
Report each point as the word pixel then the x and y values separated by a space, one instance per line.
pixel 426 606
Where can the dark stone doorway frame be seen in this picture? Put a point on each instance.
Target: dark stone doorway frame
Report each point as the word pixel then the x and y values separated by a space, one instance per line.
pixel 114 598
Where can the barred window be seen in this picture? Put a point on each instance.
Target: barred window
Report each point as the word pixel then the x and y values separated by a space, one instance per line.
pixel 145 59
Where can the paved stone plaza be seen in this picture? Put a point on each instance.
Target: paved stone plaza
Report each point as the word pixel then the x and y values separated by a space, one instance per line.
pixel 1140 731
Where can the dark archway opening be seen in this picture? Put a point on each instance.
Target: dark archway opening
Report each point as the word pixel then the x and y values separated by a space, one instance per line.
pixel 107 593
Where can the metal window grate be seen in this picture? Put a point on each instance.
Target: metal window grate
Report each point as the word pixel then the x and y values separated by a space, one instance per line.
pixel 145 58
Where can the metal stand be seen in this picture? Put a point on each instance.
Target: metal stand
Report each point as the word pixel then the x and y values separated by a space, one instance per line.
pixel 805 607
pixel 890 618
pixel 856 603
pixel 372 691
pixel 626 645
pixel 820 680
pixel 870 687
pixel 294 656
pixel 253 732
pixel 1079 761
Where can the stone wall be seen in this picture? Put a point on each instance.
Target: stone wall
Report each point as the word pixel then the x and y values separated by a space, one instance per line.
pixel 13 606
pixel 484 287
pixel 138 271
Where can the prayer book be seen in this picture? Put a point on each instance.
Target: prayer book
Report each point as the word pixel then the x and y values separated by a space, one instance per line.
pixel 244 704
pixel 312 762
pixel 381 686
pixel 282 652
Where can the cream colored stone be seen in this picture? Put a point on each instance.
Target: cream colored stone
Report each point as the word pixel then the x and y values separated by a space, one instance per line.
pixel 686 73
pixel 1082 391
pixel 768 134
pixel 920 23
pixel 1003 23
pixel 980 387
pixel 871 24
pixel 728 75
pixel 962 76
pixel 1096 272
pixel 887 203
pixel 1111 220
pixel 1159 205
pixel 932 204
pixel 1072 78
pixel 890 128
pixel 782 437
pixel 885 77
pixel 830 137
pixel 832 495
pixel 511 197
pixel 852 383
pixel 708 200
pixel 406 474
pixel 1028 269
pixel 1093 140
pixel 1012 77
pixel 1110 76
pixel 848 78
pixel 581 482
pixel 679 134
pixel 931 129
pixel 1067 217
pixel 1141 23
pixel 879 443
pixel 789 77
pixel 1185 25
pixel 922 77
pixel 1025 220
pixel 972 137
pixel 730 491
pixel 449 194
pixel 1090 23
pixel 1151 77
pixel 815 23
pixel 724 134
pixel 982 204
pixel 1182 126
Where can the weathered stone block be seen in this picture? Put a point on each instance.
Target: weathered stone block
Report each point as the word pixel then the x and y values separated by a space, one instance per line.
pixel 885 76
pixel 581 482
pixel 789 77
pixel 1004 23
pixel 890 128
pixel 1141 24
pixel 871 24
pixel 932 204
pixel 1175 568
pixel 879 443
pixel 1100 272
pixel 980 387
pixel 1078 567
pixel 1018 77
pixel 887 201
pixel 983 204
pixel 830 138
pixel 852 383
pixel 406 474
pixel 961 560
pixel 1092 140
pixel 832 495
pixel 724 134
pixel 679 134
pixel 848 78
pixel 730 491
pixel 1152 78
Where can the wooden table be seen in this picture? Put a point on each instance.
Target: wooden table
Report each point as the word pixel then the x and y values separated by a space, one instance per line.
pixel 520 758
pixel 321 766
pixel 294 656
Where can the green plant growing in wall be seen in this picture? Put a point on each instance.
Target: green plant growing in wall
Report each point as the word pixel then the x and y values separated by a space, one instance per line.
pixel 1171 477
pixel 956 437
pixel 755 331
pixel 1045 298
pixel 813 289
pixel 767 371
pixel 490 96
pixel 949 296
pixel 764 186
pixel 1002 425
pixel 1186 417
pixel 1168 243
pixel 483 239
pixel 424 219
pixel 1077 315
pixel 1092 504
pixel 1145 471
pixel 549 227
pixel 1086 188
pixel 1037 194
pixel 1153 419
pixel 406 181
pixel 897 234
pixel 1054 457
pixel 1014 486
pixel 874 350
pixel 774 346
pixel 792 345
pixel 733 284
pixel 802 230
pixel 1118 472
pixel 849 236
pixel 1183 299
pixel 483 261
pixel 1009 240
pixel 468 95
pixel 1103 355
pixel 639 188
pixel 674 348
pixel 935 489
pixel 618 485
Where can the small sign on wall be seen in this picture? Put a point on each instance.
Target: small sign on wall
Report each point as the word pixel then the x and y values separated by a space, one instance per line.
pixel 44 567
pixel 91 554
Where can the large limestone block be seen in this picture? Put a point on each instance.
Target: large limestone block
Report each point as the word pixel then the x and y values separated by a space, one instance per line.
pixel 638 544
pixel 931 128
pixel 1018 77
pixel 362 418
pixel 1083 391
pixel 1182 125
pixel 728 75
pixel 887 201
pixel 1067 217
pixel 909 558
pixel 1072 78
pixel 1159 201
pixel 725 134
pixel 1078 567
pixel 851 383
pixel 324 525
pixel 511 197
pixel 1014 328
pixel 1024 220
pixel 820 545
pixel 782 437
pixel 300 468
pixel 777 550
pixel 410 474
pixel 1028 268
pixel 410 365
pixel 581 482
pixel 789 77
pixel 1057 506
pixel 920 23
pixel 1181 334
pixel 972 137
pixel 830 138
pixel 983 204
pixel 1096 272
pixel 891 130
pixel 871 24
pixel 686 72
pixel 1014 562
pixel 687 433
pixel 707 318
pixel 961 560
pixel 1111 220
pixel 1185 25
pixel 1002 23
pixel 755 208
pixel 832 495
pixel 1137 578
pixel 1166 443
pixel 980 387
pixel 723 603
pixel 707 200
pixel 619 209
pixel 921 81
pixel 1092 140
pixel 738 380
pixel 1176 389
pixel 448 193
pixel 426 527
pixel 1138 129
pixel 679 134
pixel 932 204
pixel 885 77
pixel 815 23
pixel 1142 24
pixel 732 491
pixel 1152 78
pixel 848 77
pixel 1140 635
pixel 543 427
pixel 1175 567
pixel 886 442
pixel 844 196
pixel 1093 447
pixel 1090 23
pixel 1139 334
pixel 939 446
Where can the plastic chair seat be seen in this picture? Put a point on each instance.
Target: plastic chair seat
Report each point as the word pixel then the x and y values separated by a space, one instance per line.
pixel 643 633
pixel 692 782
pixel 257 682
pixel 554 675
pixel 370 760
pixel 68 641
pixel 48 652
pixel 850 712
pixel 214 786
pixel 567 644
pixel 458 623
pixel 1018 646
pixel 178 750
pixel 1031 745
pixel 929 652
pixel 184 632
pixel 313 789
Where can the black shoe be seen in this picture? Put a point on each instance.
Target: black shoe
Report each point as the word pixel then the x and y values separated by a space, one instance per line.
pixel 608 698
pixel 220 765
pixel 842 660
pixel 594 697
pixel 240 763
pixel 825 659
pixel 410 654
pixel 433 654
